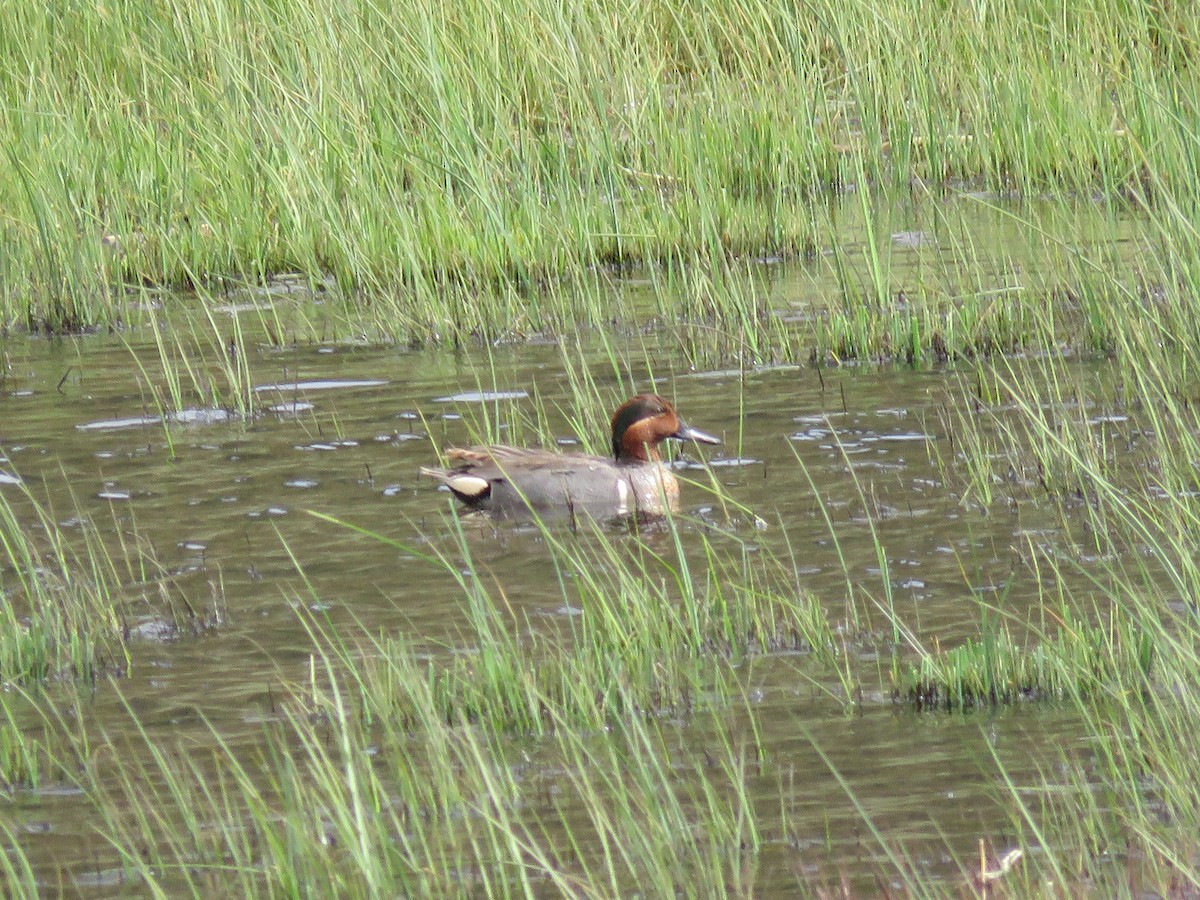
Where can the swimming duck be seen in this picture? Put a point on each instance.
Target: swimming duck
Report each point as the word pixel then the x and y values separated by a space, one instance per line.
pixel 513 480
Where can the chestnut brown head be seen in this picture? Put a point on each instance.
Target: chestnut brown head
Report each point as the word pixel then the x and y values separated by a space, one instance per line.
pixel 641 424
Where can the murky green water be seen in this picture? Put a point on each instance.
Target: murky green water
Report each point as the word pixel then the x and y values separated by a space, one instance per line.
pixel 343 432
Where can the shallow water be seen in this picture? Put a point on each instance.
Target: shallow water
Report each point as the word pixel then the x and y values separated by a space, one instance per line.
pixel 350 448
pixel 342 431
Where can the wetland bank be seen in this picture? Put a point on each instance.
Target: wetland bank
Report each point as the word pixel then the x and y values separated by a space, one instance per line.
pixel 925 623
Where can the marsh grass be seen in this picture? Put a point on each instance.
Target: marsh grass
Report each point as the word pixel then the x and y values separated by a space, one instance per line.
pixel 484 173
pixel 1076 662
pixel 985 278
pixel 449 810
pixel 411 149
pixel 44 738
pixel 538 757
pixel 21 755
pixel 543 759
pixel 532 759
pixel 1109 452
pixel 537 761
pixel 72 599
pixel 60 613
pixel 1112 451
pixel 651 613
pixel 203 363
pixel 958 295
pixel 531 762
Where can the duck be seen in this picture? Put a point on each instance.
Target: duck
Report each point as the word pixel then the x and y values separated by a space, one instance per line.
pixel 513 481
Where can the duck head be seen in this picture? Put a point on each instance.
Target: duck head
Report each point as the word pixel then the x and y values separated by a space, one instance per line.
pixel 641 424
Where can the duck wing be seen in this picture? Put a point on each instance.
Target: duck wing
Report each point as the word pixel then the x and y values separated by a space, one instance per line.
pixel 495 455
pixel 521 477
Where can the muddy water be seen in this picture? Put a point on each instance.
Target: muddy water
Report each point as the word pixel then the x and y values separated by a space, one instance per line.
pixel 343 430
pixel 350 429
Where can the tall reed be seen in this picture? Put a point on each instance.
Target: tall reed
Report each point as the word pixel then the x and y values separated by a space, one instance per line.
pixel 399 149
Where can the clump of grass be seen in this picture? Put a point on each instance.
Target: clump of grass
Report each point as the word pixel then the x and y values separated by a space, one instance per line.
pixel 42 735
pixel 203 368
pixel 20 758
pixel 60 611
pixel 1080 661
pixel 66 612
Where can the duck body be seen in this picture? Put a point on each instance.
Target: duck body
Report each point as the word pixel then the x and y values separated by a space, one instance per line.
pixel 634 481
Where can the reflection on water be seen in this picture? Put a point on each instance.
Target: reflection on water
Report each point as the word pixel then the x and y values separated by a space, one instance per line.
pixel 320 385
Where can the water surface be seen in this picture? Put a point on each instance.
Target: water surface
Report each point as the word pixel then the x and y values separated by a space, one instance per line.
pixel 830 464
